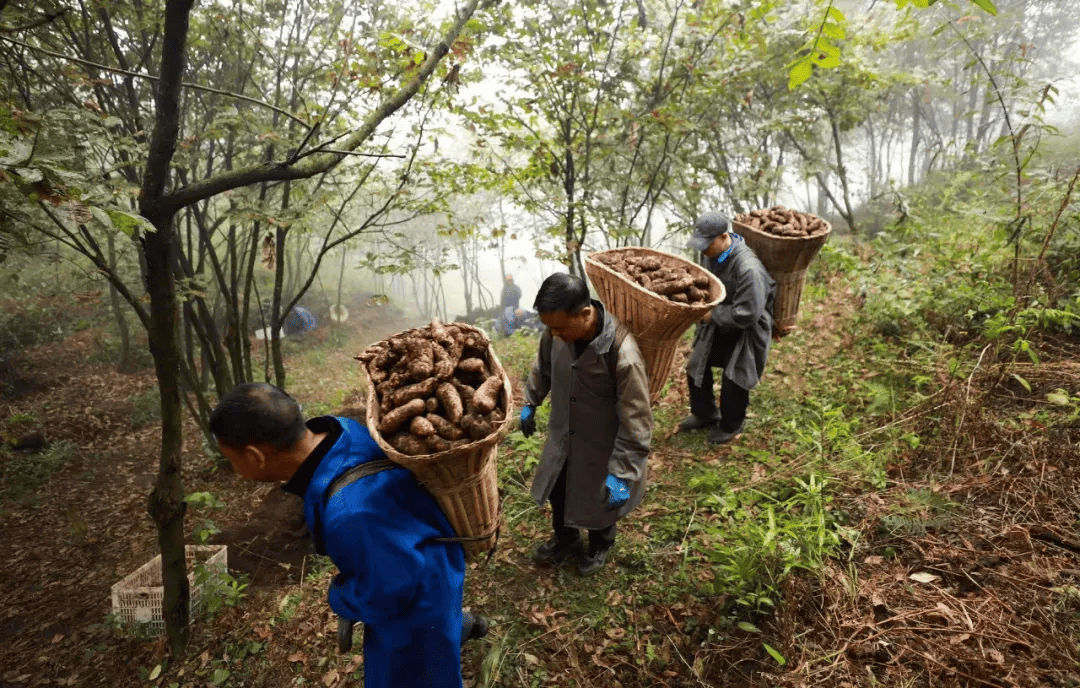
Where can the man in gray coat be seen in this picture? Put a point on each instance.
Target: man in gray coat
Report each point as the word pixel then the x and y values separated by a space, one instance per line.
pixel 593 465
pixel 737 334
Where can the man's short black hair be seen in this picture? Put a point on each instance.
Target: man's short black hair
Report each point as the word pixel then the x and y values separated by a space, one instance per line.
pixel 562 292
pixel 257 413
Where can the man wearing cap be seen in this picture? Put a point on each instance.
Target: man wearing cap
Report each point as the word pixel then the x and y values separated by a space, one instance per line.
pixel 737 334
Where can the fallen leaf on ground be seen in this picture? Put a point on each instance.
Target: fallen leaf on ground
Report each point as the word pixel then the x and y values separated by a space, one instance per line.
pixel 924 577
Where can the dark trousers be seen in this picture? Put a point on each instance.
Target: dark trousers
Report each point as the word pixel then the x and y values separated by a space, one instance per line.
pixel 733 398
pixel 598 539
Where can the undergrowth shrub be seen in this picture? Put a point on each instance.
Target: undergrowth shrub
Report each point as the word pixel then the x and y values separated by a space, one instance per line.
pixel 760 540
pixel 25 473
pixel 146 407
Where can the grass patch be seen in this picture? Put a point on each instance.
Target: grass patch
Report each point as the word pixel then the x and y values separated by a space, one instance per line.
pixel 146 408
pixel 23 473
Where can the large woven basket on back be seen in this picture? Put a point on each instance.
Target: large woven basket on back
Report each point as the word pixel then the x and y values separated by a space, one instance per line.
pixel 655 322
pixel 786 259
pixel 463 480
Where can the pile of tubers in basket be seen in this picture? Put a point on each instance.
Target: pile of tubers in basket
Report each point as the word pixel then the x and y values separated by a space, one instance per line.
pixel 673 281
pixel 435 388
pixel 780 221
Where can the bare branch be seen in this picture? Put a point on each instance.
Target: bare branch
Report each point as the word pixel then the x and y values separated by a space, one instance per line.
pixel 40 21
pixel 137 75
pixel 317 164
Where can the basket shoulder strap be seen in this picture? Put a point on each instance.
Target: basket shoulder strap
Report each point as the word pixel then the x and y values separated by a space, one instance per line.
pixel 612 355
pixel 353 474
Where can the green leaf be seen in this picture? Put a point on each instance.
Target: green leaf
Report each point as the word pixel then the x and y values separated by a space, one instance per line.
pixel 775 655
pixel 1059 397
pixel 154 673
pixel 986 5
pixel 826 47
pixel 219 676
pixel 799 73
pixel 828 62
pixel 1022 381
pixel 748 627
pixel 833 31
pixel 836 15
pixel 128 223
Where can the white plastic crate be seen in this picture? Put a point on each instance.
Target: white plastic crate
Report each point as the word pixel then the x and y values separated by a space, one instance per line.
pixel 137 598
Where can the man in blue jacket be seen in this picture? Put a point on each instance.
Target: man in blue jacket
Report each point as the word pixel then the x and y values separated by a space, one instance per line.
pixel 400 570
pixel 737 334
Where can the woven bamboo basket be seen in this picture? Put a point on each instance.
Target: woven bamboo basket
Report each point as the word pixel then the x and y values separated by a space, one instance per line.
pixel 463 480
pixel 786 259
pixel 656 323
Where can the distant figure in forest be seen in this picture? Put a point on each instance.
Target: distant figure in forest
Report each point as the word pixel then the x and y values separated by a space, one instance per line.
pixel 511 295
pixel 299 321
pixel 509 311
pixel 401 568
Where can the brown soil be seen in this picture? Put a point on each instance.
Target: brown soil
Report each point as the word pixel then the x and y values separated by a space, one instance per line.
pixel 996 606
pixel 69 541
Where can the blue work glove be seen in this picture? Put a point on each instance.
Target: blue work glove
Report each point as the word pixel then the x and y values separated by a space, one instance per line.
pixel 528 420
pixel 618 492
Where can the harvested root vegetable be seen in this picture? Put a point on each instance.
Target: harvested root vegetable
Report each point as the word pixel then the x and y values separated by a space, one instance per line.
pixel 487 395
pixel 421 427
pixel 407 444
pixel 448 396
pixel 477 427
pixel 673 287
pixel 464 391
pixel 662 275
pixel 436 444
pixel 419 390
pixel 436 388
pixel 451 431
pixel 781 221
pixel 444 364
pixel 421 359
pixel 394 419
pixel 473 366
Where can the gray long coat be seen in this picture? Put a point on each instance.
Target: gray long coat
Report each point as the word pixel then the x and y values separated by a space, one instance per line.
pixel 599 423
pixel 746 313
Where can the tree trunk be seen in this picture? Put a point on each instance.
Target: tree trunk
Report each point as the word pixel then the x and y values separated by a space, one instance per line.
pixel 573 249
pixel 166 503
pixel 125 363
pixel 847 212
pixel 916 138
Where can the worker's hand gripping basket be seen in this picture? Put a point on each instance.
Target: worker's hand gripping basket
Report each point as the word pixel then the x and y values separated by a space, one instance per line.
pixel 786 241
pixel 658 296
pixel 439 402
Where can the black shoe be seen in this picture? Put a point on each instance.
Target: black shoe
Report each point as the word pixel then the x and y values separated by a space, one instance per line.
pixel 473 627
pixel 555 550
pixel 591 562
pixel 718 436
pixel 693 422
